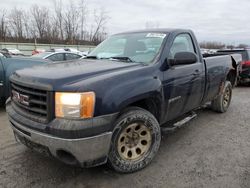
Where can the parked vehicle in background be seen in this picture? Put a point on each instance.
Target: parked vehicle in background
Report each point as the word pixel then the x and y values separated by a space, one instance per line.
pixel 4 54
pixel 38 51
pixel 13 51
pixel 85 53
pixel 244 75
pixel 72 50
pixel 57 56
pixel 204 51
pixel 9 65
pixel 56 50
pixel 76 51
pixel 112 105
pixel 208 51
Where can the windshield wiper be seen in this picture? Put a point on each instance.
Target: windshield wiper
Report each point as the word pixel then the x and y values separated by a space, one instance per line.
pixel 127 59
pixel 123 58
pixel 91 57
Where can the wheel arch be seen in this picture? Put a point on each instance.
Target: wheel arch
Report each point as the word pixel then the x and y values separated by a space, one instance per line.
pixel 151 102
pixel 233 73
pixel 232 77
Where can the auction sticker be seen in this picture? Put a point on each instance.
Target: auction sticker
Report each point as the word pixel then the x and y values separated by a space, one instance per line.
pixel 156 35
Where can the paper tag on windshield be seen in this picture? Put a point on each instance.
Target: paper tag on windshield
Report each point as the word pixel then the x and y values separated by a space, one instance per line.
pixel 156 35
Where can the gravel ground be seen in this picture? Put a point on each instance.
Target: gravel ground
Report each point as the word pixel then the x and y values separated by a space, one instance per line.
pixel 211 151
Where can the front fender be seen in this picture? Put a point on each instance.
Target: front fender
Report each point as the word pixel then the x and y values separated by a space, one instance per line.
pixel 13 64
pixel 119 96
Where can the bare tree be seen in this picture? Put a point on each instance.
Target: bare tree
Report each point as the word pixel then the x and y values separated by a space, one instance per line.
pixel 100 19
pixel 83 13
pixel 3 25
pixel 16 22
pixel 27 25
pixel 65 23
pixel 55 31
pixel 230 46
pixel 71 22
pixel 40 20
pixel 212 45
pixel 58 7
pixel 242 46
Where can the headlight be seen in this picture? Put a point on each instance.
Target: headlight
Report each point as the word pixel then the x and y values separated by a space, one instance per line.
pixel 74 105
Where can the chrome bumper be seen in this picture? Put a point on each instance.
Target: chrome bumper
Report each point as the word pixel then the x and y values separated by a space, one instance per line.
pixel 90 151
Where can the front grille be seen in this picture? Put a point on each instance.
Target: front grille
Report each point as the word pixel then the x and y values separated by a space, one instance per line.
pixel 38 107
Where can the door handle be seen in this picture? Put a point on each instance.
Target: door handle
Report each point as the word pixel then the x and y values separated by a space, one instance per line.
pixel 196 73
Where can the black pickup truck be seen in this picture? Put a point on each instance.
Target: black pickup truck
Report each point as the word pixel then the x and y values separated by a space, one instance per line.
pixel 111 106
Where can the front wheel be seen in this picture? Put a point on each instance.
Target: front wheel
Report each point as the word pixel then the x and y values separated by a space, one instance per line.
pixel 136 140
pixel 222 102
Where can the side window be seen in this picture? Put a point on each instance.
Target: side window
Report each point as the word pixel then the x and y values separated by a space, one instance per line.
pixel 72 56
pixel 182 43
pixel 56 57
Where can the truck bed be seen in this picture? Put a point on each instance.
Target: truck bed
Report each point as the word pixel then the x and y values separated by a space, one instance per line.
pixel 215 64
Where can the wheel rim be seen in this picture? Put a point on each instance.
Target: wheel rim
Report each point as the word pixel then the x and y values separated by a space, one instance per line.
pixel 226 97
pixel 134 142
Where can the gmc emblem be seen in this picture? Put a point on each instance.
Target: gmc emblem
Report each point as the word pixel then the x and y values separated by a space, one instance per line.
pixel 20 98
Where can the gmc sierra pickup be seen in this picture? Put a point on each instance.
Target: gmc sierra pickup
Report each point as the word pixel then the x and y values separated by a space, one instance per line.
pixel 111 106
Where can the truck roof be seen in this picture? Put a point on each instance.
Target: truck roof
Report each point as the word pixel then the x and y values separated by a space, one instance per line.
pixel 158 30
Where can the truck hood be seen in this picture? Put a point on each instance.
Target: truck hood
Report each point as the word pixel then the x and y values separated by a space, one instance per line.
pixel 14 63
pixel 65 73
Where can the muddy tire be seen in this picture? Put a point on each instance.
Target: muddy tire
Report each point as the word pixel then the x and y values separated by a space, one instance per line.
pixel 222 102
pixel 135 141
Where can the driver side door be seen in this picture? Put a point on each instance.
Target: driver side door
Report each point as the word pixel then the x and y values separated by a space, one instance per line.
pixel 183 85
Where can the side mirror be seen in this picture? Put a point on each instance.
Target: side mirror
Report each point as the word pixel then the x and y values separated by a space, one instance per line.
pixel 183 58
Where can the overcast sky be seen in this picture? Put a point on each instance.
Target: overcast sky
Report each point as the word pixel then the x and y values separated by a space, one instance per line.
pixel 212 20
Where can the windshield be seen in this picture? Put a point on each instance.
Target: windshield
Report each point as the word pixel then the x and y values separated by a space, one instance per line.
pixel 135 47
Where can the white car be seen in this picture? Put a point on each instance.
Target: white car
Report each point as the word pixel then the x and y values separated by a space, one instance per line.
pixel 82 53
pixel 72 50
pixel 57 56
pixel 13 51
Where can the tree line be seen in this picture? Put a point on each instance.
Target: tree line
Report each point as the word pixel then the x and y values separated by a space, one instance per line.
pixel 219 45
pixel 67 23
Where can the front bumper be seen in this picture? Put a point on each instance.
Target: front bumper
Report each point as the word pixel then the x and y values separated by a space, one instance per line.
pixel 86 151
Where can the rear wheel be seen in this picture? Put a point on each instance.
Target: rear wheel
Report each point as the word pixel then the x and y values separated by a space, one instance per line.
pixel 222 102
pixel 136 140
